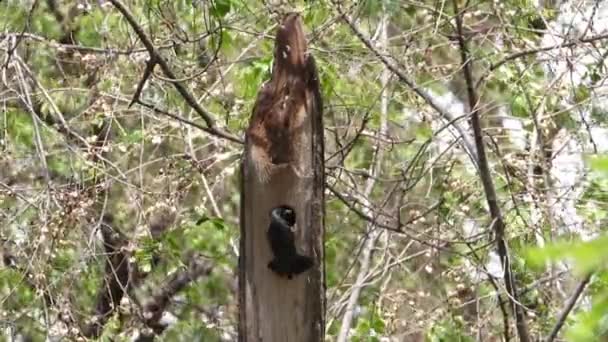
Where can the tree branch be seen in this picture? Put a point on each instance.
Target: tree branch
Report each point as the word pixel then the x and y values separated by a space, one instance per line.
pixel 158 58
pixel 568 308
pixel 488 185
pixel 154 308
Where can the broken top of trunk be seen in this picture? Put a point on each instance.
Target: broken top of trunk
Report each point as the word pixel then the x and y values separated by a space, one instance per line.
pixel 290 47
pixel 283 166
pixel 283 105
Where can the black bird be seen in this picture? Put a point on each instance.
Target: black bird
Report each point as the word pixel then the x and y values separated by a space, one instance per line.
pixel 281 236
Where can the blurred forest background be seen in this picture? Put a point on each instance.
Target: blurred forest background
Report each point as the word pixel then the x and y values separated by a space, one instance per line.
pixel 121 128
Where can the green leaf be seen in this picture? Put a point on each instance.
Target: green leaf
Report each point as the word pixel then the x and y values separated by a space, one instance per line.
pixel 588 256
pixel 519 107
pixel 216 222
pixel 582 93
pixel 220 8
pixel 599 163
pixel 590 325
pixel 202 220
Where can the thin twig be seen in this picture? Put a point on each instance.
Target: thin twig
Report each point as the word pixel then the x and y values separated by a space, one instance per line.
pixel 424 94
pixel 80 48
pixel 535 51
pixel 150 64
pixel 525 53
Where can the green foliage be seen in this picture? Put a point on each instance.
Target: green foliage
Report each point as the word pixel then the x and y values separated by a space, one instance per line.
pixel 12 15
pixel 252 77
pixel 17 284
pixel 448 329
pixel 20 128
pixel 220 8
pixel 588 256
pixel 376 7
pixel 599 164
pixel 590 325
pixel 209 235
pixel 369 327
pixel 93 37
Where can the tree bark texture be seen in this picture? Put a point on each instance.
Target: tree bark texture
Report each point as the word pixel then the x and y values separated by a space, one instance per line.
pixel 283 165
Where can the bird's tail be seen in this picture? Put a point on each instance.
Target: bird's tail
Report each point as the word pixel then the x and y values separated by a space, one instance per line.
pixel 301 263
pixel 291 266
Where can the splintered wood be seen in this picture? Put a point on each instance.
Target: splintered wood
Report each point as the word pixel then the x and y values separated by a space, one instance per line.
pixel 283 165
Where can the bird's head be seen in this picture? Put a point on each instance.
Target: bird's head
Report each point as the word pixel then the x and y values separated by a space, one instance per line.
pixel 286 213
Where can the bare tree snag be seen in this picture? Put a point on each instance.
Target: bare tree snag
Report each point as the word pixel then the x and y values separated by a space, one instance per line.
pixel 283 165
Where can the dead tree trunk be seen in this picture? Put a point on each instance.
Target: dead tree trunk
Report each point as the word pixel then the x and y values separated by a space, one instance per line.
pixel 283 165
